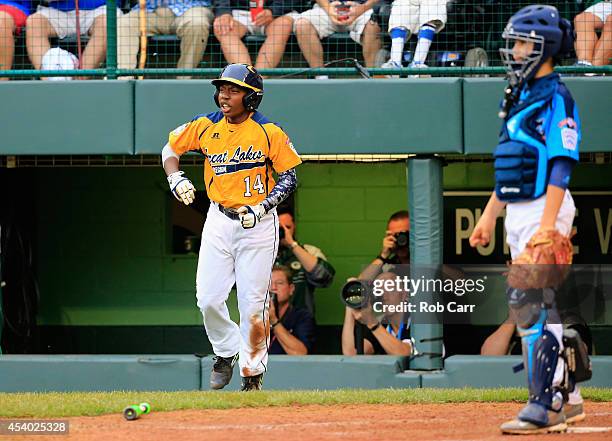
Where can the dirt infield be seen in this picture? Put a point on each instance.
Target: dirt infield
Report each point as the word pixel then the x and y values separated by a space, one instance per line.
pixel 422 422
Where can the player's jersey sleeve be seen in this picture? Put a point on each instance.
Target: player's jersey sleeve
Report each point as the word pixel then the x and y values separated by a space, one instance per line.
pixel 282 153
pixel 187 136
pixel 563 131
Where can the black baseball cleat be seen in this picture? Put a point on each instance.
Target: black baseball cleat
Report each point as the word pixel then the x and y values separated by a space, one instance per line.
pixel 222 371
pixel 252 383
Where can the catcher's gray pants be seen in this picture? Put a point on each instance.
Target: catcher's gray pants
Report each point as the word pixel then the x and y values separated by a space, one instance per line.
pixel 231 254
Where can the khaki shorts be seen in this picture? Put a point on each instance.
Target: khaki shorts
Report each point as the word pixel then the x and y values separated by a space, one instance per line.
pixel 244 17
pixel 325 27
pixel 412 14
pixel 64 23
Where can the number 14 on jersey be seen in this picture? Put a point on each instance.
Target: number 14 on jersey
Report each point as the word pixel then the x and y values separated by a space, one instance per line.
pixel 257 185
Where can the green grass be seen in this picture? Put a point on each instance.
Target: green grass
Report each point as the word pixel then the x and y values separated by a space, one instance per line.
pixel 55 404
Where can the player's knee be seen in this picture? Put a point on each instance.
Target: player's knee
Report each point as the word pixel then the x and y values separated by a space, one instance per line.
pixel 584 20
pixel 6 22
pixel 303 26
pixel 371 28
pixel 209 302
pixel 99 26
pixel 38 22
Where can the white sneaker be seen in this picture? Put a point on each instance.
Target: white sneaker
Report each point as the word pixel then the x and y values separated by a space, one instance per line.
pixel 391 65
pixel 584 63
pixel 416 65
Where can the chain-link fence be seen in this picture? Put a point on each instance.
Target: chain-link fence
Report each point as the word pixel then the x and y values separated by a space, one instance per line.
pixel 293 38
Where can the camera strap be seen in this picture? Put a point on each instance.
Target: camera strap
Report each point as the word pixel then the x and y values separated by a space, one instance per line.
pixel 400 331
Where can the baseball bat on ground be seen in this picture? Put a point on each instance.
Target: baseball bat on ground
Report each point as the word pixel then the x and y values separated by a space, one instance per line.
pixel 134 411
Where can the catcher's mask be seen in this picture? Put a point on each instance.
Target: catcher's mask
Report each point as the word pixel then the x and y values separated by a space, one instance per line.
pixel 551 35
pixel 245 76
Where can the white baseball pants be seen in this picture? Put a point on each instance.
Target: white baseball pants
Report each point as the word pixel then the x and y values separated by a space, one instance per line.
pixel 522 221
pixel 231 254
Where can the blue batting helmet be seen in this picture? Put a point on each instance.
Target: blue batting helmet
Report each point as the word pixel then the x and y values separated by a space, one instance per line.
pixel 245 76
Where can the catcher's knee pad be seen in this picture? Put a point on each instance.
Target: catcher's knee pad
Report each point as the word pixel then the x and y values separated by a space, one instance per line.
pixel 528 305
pixel 540 357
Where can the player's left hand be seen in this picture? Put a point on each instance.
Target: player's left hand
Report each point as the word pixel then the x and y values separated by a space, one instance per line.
pixel 250 215
pixel 264 18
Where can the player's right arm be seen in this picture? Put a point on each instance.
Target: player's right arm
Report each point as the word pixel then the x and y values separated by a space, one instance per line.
pixel 486 224
pixel 181 140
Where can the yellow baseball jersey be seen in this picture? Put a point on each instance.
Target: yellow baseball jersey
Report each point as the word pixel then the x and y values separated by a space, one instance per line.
pixel 240 158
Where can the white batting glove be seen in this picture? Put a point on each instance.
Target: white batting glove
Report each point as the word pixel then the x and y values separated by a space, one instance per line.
pixel 181 187
pixel 250 215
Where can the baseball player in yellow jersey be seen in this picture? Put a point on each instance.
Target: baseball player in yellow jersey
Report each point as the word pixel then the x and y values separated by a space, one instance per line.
pixel 240 236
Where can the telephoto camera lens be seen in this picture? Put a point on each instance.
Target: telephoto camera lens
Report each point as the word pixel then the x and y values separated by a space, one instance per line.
pixel 356 293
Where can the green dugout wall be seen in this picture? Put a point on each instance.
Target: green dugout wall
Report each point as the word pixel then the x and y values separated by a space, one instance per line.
pixel 420 116
pixel 105 229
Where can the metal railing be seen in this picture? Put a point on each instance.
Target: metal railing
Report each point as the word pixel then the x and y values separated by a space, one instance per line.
pixel 470 24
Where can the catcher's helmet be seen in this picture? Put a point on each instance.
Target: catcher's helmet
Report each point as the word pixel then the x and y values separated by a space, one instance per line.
pixel 551 35
pixel 245 76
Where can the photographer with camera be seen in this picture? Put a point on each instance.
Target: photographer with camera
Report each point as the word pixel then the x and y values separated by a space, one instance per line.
pixel 395 247
pixel 308 263
pixel 292 328
pixel 389 335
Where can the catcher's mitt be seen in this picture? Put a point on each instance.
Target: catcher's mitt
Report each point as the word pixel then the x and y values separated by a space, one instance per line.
pixel 544 263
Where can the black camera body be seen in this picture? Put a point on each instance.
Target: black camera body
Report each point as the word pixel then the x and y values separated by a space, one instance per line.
pixel 402 239
pixel 281 232
pixel 357 294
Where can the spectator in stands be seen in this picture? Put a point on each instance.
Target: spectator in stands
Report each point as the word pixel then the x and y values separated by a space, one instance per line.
pixel 326 17
pixel 190 20
pixel 292 328
pixel 13 15
pixel 422 17
pixel 391 335
pixel 309 265
pixel 590 50
pixel 59 20
pixel 391 254
pixel 272 19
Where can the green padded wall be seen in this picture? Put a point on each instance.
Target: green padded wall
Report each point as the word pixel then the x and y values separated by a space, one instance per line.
pixel 67 373
pixel 66 117
pixel 327 372
pixel 339 116
pixel 481 98
pixel 437 115
pixel 492 372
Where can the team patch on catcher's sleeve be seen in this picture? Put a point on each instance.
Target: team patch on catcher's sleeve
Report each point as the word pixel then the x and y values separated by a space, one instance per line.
pixel 569 138
pixel 179 129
